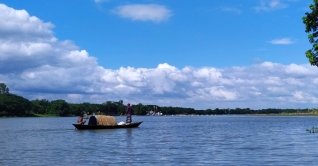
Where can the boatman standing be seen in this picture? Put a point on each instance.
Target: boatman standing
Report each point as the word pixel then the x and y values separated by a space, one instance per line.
pixel 128 113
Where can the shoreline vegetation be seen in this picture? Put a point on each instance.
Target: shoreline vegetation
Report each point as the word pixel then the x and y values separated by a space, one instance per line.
pixel 279 114
pixel 12 105
pixel 288 114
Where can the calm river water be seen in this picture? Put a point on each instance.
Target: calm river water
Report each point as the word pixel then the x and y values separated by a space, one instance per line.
pixel 165 140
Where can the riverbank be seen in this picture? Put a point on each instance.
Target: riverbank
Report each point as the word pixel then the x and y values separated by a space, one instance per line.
pixel 280 114
pixel 287 114
pixel 34 115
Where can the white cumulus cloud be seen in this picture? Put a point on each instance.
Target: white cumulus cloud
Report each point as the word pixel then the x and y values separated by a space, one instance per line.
pixel 46 68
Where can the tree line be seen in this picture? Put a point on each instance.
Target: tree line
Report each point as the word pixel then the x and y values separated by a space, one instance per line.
pixel 12 105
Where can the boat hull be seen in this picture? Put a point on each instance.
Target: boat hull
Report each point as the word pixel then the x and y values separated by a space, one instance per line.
pixel 93 127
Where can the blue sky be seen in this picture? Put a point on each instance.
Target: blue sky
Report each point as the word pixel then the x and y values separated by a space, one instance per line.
pixel 201 54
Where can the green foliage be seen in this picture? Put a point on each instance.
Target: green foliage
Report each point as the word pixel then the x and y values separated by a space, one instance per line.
pixel 311 24
pixel 114 108
pixel 140 109
pixel 40 106
pixel 75 109
pixel 14 105
pixel 4 89
pixel 59 107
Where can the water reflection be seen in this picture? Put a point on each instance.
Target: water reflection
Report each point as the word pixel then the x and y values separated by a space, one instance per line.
pixel 128 139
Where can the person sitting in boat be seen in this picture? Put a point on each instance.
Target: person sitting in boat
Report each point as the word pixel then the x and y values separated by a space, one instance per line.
pixel 81 120
pixel 128 113
pixel 92 120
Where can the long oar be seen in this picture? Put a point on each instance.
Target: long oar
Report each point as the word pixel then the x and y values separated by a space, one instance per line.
pixel 120 118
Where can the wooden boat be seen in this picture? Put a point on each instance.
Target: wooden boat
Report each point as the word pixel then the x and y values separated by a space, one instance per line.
pixel 90 127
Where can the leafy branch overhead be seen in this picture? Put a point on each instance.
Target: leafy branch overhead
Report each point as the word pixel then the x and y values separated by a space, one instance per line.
pixel 310 20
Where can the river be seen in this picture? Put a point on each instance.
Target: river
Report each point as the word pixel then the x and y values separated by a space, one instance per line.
pixel 162 140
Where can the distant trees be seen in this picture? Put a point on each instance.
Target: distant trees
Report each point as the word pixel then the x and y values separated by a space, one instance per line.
pixel 11 104
pixel 140 109
pixel 4 89
pixel 59 107
pixel 311 22
pixel 14 105
pixel 40 106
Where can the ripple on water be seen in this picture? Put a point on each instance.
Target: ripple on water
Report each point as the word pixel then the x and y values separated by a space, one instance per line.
pixel 195 140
